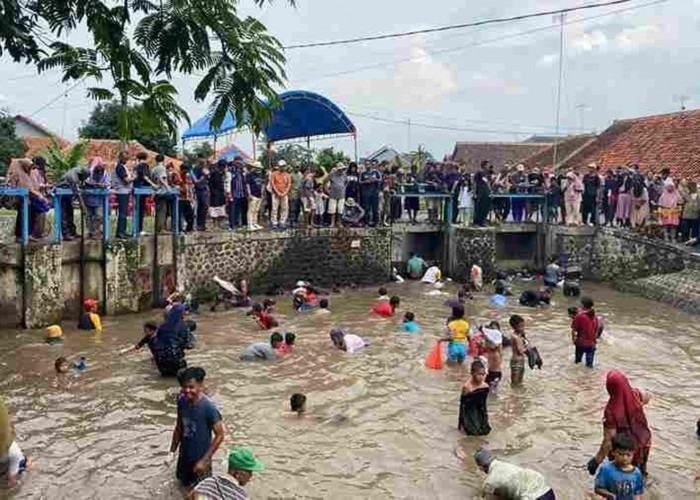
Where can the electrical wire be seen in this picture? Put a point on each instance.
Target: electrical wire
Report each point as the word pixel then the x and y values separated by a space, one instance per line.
pixel 499 20
pixel 477 43
pixel 54 99
pixel 441 127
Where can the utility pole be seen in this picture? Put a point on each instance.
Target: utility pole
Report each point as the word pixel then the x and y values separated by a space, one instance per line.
pixel 682 99
pixel 560 18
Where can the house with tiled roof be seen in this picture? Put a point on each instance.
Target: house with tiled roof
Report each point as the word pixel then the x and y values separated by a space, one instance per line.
pixel 653 142
pixel 499 154
pixel 567 147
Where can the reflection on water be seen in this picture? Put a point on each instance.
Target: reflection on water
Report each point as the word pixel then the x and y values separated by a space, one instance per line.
pixel 379 425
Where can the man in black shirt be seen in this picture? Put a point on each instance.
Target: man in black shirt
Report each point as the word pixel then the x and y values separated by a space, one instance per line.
pixel 483 194
pixel 370 180
pixel 591 184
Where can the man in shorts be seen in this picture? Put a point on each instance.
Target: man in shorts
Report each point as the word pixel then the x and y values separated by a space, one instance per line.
pixel 338 180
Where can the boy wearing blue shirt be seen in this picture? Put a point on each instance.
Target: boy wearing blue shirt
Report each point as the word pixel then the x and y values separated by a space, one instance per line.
pixel 409 323
pixel 619 479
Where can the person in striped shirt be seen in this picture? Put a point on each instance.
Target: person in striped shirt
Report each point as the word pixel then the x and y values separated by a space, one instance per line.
pixel 229 486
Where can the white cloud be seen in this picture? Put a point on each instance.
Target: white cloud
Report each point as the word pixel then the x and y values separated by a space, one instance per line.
pixel 639 37
pixel 588 41
pixel 418 82
pixel 548 59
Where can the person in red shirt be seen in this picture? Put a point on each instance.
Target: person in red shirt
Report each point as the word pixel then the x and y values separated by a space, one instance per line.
pixel 584 332
pixel 386 309
pixel 264 320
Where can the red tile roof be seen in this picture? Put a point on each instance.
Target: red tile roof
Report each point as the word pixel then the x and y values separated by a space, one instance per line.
pixel 566 147
pixel 498 153
pixel 37 126
pixel 653 142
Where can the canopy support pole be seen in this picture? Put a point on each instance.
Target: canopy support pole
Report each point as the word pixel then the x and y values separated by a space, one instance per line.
pixel 308 142
pixel 255 154
pixel 354 138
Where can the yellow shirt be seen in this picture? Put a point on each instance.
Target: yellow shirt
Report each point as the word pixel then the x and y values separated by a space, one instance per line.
pixel 95 318
pixel 459 329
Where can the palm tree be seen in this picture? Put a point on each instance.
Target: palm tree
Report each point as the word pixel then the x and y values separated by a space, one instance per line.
pixel 418 159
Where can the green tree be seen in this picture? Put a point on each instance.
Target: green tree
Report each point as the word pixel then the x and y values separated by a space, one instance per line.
pixel 240 64
pixel 59 161
pixel 11 146
pixel 202 150
pixel 104 124
pixel 329 158
pixel 418 159
pixel 293 154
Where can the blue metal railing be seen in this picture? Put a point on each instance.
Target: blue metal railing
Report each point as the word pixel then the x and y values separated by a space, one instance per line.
pixel 105 195
pixel 23 194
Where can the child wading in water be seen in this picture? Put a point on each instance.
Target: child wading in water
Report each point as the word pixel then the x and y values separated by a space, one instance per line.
pixel 620 479
pixel 473 413
pixel 494 355
pixel 458 329
pixel 519 345
pixel 90 320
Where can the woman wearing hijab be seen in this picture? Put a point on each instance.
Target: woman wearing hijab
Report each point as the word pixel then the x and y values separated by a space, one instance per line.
pixel 572 199
pixel 624 413
pixel 20 177
pixel 668 209
pixel 172 338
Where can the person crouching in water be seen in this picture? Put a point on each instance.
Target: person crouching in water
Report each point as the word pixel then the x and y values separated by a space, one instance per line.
pixel 531 298
pixel 90 320
pixel 505 480
pixel 347 342
pixel 263 319
pixel 473 413
pixel 584 332
pixel 387 309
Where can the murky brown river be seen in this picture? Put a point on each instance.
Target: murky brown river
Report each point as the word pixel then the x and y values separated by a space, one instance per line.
pixel 379 424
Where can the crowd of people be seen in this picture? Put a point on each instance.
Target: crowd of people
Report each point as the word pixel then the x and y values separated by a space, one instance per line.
pixel 619 464
pixel 238 194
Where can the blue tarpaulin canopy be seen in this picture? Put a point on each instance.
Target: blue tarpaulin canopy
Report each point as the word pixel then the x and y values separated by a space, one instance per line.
pixel 202 127
pixel 300 114
pixel 306 114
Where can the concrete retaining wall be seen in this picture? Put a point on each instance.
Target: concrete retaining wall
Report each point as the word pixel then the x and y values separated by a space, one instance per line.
pixel 125 276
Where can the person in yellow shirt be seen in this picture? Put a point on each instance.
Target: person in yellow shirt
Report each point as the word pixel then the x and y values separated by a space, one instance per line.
pixel 90 320
pixel 458 331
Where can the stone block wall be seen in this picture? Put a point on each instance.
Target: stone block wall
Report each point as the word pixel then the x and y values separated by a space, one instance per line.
pixel 280 259
pixel 472 246
pixel 617 255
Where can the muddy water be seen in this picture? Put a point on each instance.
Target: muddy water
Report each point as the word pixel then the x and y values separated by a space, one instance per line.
pixel 379 425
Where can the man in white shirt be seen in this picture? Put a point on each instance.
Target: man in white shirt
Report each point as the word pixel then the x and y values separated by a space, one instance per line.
pixel 509 481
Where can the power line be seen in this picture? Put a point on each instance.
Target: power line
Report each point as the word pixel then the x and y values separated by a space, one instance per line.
pixel 440 127
pixel 477 43
pixel 473 24
pixel 53 100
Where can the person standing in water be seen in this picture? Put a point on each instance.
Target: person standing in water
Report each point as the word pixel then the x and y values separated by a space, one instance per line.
pixel 473 412
pixel 624 413
pixel 519 346
pixel 198 417
pixel 584 332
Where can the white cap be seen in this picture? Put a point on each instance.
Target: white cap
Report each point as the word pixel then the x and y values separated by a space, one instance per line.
pixel 281 163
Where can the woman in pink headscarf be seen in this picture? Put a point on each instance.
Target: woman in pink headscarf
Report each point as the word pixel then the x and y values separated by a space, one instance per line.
pixel 624 413
pixel 668 209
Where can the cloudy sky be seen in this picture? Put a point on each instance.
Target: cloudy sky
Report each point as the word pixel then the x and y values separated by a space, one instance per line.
pixel 493 83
